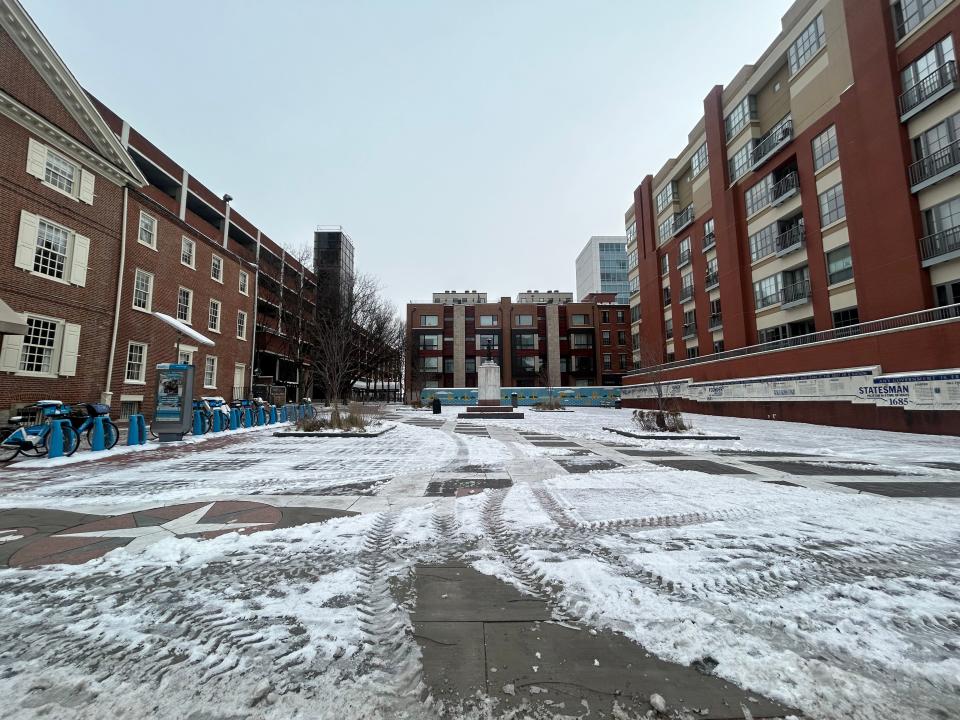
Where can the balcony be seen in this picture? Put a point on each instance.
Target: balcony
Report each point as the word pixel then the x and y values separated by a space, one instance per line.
pixel 795 294
pixel 785 188
pixel 940 247
pixel 712 279
pixel 778 136
pixel 682 219
pixel 684 258
pixel 716 321
pixel 709 240
pixel 790 240
pixel 686 293
pixel 935 167
pixel 926 92
pixel 689 330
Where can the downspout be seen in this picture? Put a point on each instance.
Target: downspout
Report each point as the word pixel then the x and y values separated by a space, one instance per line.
pixel 108 394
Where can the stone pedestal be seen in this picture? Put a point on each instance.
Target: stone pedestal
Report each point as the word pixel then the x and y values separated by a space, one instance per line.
pixel 488 380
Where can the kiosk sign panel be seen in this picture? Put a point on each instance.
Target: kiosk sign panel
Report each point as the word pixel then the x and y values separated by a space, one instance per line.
pixel 174 400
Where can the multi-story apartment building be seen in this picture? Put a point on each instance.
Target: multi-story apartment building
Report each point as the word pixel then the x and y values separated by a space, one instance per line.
pixel 536 344
pixel 818 191
pixel 602 267
pixel 549 297
pixel 452 297
pixel 100 230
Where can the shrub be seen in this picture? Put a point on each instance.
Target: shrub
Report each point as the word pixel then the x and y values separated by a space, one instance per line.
pixel 660 421
pixel 314 424
pixel 549 404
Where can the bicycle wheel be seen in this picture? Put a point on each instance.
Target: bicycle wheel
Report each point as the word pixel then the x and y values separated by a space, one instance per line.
pixel 71 441
pixel 8 452
pixel 110 435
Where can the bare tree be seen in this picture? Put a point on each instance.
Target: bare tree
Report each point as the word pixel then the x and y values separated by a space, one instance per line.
pixel 299 316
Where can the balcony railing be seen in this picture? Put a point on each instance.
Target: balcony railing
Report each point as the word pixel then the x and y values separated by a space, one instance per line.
pixel 796 293
pixel 682 219
pixel 709 240
pixel 943 162
pixel 790 239
pixel 686 293
pixel 689 329
pixel 712 278
pixel 785 188
pixel 895 322
pixel 940 244
pixel 716 321
pixel 779 135
pixel 943 78
pixel 684 258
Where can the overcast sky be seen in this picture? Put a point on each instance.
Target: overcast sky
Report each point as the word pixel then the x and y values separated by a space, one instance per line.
pixel 461 144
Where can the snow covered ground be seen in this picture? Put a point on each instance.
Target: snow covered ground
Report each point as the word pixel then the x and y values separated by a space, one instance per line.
pixel 840 604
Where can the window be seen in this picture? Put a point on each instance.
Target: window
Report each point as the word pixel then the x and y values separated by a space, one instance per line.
pixel 488 320
pixel 947 293
pixel 668 327
pixel 740 163
pixel 61 173
pixel 693 351
pixel 188 249
pixel 763 242
pixel 607 361
pixel 622 362
pixel 216 268
pixel 758 196
pixel 666 197
pixel 244 283
pixel 136 363
pixel 825 148
pixel 717 346
pixel 621 316
pixel 605 316
pixel 832 207
pixel 689 322
pixel 429 342
pixel 147 234
pixel 184 305
pixel 846 318
pixel 908 14
pixel 51 253
pixel 839 265
pixel 581 340
pixel 713 276
pixel 128 408
pixel 39 344
pixel 143 290
pixel 631 232
pixel 666 296
pixel 213 318
pixel 241 325
pixel 431 364
pixel 621 337
pixel 664 264
pixel 699 161
pixel 524 320
pixel 686 287
pixel 716 314
pixel 448 365
pixel 635 313
pixel 210 372
pixel 185 357
pixel 766 292
pixel 606 337
pixel 684 252
pixel 709 234
pixel 924 67
pixel 806 46
pixel 428 321
pixel 634 284
pixel 743 113
pixel 635 341
pixel 525 341
pixel 671 357
pixel 470 365
pixel 665 229
pixel 579 320
pixel 491 339
pixel 631 259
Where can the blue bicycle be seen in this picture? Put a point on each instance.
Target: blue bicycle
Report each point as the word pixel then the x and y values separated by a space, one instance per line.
pixel 32 433
pixel 84 422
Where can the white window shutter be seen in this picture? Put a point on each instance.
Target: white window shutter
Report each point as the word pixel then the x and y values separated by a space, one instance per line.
pixel 36 159
pixel 87 179
pixel 69 349
pixel 78 264
pixel 27 240
pixel 10 353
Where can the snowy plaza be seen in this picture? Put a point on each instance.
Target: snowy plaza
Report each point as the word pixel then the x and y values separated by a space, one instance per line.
pixel 800 570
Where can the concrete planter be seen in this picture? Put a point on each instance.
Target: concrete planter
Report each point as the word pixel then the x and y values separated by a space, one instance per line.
pixel 670 436
pixel 325 433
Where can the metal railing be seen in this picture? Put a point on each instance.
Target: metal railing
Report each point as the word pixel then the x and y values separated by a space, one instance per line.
pixel 896 322
pixel 933 83
pixel 689 329
pixel 709 240
pixel 784 187
pixel 798 292
pixel 941 243
pixel 686 293
pixel 716 320
pixel 778 135
pixel 684 258
pixel 712 278
pixel 682 219
pixel 935 163
pixel 790 238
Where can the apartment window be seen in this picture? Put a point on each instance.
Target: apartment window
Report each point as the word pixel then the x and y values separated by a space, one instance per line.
pixel 429 321
pixel 631 259
pixel 50 257
pixel 846 318
pixel 832 207
pixel 143 290
pixel 60 172
pixel 39 344
pixel 684 251
pixel 216 268
pixel 922 68
pixel 763 242
pixel 241 325
pixel 631 232
pixel 525 341
pixel 622 362
pixel 807 45
pixel 716 314
pixel 634 313
pixel 766 292
pixel 184 304
pixel 470 365
pixel 664 264
pixel 699 160
pixel 666 197
pixel 693 351
pixel 210 372
pixel 213 319
pixel 942 217
pixel 490 339
pixel 136 363
pixel 148 230
pixel 431 364
pixel 772 334
pixel 606 337
pixel 668 327
pixel 635 341
pixel 671 357
pixel 908 14
pixel 742 114
pixel 128 408
pixel 605 316
pixel 717 346
pixel 621 337
pixel 665 229
pixel 634 284
pixel 758 196
pixel 488 320
pixel 740 163
pixel 839 265
pixel 188 249
pixel 709 234
pixel 666 296
pixel 524 320
pixel 244 283
pixel 689 321
pixel 579 320
pixel 686 287
pixel 448 365
pixel 825 149
pixel 607 361
pixel 581 340
pixel 621 316
pixel 429 342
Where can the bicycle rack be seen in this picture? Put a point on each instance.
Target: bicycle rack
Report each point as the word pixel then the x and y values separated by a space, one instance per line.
pixel 217 424
pixel 261 418
pixel 97 442
pixel 197 423
pixel 273 414
pixel 55 440
pixel 137 432
pixel 234 418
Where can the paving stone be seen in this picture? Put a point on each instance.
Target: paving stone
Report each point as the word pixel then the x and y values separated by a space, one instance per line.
pixel 705 466
pixel 456 593
pixel 637 452
pixel 808 468
pixel 906 489
pixel 579 467
pixel 452 659
pixel 449 488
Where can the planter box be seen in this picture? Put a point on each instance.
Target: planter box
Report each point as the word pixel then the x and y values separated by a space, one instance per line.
pixel 670 436
pixel 335 434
